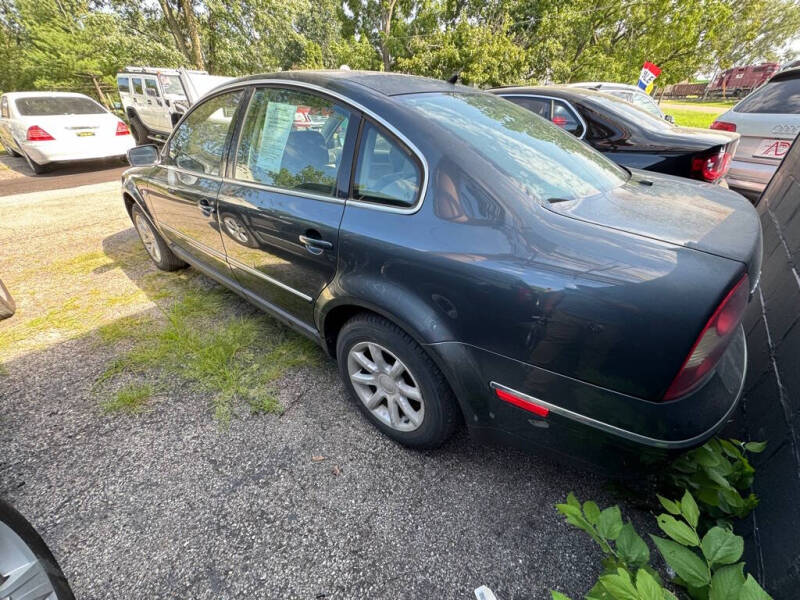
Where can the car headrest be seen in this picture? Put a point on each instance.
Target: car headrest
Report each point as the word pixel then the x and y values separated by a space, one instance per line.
pixel 305 148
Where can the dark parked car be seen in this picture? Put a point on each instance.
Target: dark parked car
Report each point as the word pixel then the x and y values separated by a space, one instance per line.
pixel 628 135
pixel 462 259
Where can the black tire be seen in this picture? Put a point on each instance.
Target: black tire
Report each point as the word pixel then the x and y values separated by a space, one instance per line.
pixel 7 305
pixel 20 526
pixel 139 131
pixel 441 414
pixel 164 259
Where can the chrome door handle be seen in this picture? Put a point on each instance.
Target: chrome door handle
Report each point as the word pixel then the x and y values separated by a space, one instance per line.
pixel 315 246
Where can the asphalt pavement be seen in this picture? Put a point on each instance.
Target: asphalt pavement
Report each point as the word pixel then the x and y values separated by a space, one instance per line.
pixel 16 177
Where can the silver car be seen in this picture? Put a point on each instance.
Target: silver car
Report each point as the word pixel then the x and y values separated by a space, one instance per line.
pixel 768 120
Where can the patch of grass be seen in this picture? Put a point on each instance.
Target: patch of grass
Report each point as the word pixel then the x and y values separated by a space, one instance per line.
pixel 234 357
pixel 129 399
pixel 692 118
pixel 124 328
pixel 71 316
pixel 711 104
pixel 82 264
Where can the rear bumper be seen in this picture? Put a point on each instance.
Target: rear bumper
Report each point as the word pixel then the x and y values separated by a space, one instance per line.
pixel 750 177
pixel 55 151
pixel 588 423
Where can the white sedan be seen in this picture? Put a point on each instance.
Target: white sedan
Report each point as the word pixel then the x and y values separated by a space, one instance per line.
pixel 54 127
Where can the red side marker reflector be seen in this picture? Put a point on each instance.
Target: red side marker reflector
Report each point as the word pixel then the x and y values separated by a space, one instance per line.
pixel 522 403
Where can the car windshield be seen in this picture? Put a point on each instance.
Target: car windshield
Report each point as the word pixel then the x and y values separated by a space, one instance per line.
pixel 548 161
pixel 171 85
pixel 630 112
pixel 782 97
pixel 57 105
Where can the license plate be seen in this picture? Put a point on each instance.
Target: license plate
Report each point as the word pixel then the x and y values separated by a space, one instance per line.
pixel 772 148
pixel 84 133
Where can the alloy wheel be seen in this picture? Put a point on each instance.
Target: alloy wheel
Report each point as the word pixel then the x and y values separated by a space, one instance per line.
pixel 236 230
pixel 148 237
pixel 386 386
pixel 22 575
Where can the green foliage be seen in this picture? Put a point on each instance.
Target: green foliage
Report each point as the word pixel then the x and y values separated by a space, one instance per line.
pixel 706 566
pixel 717 474
pixel 713 573
pixel 486 56
pixel 129 399
pixel 233 358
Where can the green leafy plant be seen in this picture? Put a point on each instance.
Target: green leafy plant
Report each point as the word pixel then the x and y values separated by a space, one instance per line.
pixel 627 574
pixel 713 573
pixel 719 475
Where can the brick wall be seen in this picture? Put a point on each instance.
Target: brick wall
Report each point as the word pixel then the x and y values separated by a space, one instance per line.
pixel 771 405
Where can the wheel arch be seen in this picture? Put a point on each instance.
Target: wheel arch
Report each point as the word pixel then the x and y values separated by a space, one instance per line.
pixel 333 313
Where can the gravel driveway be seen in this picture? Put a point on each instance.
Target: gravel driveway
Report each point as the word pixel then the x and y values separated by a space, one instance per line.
pixel 309 503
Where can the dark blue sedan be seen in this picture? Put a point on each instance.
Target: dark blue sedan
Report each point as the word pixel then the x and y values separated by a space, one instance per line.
pixel 464 260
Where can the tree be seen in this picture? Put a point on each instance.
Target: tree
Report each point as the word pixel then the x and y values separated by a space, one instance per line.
pixel 484 55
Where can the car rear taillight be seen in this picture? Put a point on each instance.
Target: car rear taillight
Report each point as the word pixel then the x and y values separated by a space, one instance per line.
pixel 711 167
pixel 712 341
pixel 122 129
pixel 37 134
pixel 723 126
pixel 560 121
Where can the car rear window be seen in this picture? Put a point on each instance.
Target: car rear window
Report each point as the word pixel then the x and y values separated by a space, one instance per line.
pixel 545 159
pixel 630 112
pixel 782 97
pixel 45 106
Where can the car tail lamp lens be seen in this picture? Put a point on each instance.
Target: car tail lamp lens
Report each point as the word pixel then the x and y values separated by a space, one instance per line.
pixel 723 126
pixel 524 403
pixel 712 341
pixel 560 121
pixel 711 167
pixel 37 134
pixel 122 129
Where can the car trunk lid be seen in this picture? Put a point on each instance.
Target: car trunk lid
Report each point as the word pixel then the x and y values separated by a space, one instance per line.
pixel 677 211
pixel 75 128
pixel 765 138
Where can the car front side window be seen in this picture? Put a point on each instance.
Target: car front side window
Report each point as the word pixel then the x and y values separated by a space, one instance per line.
pixel 199 142
pixel 137 86
pixel 292 140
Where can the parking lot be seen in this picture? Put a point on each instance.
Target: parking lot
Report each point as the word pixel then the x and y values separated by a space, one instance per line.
pixel 149 477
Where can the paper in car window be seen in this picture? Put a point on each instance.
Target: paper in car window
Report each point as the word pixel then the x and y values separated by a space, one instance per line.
pixel 277 125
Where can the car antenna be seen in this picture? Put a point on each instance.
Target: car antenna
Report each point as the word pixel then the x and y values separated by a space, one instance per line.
pixel 454 77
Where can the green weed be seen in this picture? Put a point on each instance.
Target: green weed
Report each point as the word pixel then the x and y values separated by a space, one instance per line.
pixel 129 399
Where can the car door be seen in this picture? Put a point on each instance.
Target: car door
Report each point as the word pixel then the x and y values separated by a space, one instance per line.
pixel 182 191
pixel 282 202
pixel 156 109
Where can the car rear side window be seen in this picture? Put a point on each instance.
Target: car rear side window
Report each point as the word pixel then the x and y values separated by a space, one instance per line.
pixel 781 97
pixel 292 140
pixel 124 84
pixel 199 142
pixel 386 171
pixel 538 106
pixel 57 105
pixel 565 117
pixel 545 161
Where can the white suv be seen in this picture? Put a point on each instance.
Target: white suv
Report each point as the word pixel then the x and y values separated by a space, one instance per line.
pixel 154 99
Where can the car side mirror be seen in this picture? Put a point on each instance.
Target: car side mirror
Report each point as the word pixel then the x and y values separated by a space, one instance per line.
pixel 670 118
pixel 142 156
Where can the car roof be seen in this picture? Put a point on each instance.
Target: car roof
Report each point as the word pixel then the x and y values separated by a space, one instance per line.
pixel 387 84
pixel 790 73
pixel 560 91
pixel 13 95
